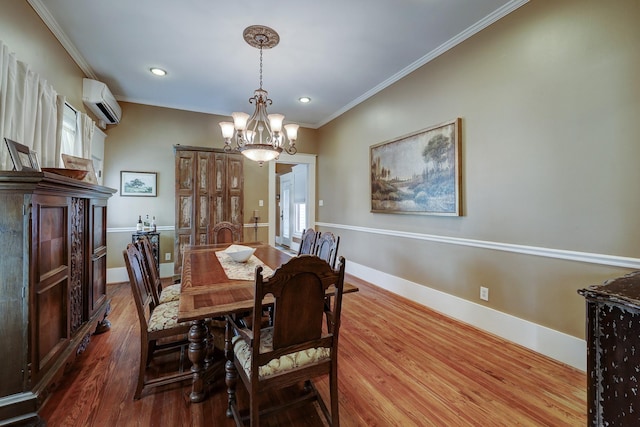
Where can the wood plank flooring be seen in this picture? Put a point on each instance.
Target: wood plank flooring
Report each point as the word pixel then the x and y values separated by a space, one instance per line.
pixel 400 364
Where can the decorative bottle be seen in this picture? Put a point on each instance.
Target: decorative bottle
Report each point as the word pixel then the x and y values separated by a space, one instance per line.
pixel 153 224
pixel 139 224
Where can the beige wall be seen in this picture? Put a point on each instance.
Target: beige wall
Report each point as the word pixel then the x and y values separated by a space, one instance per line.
pixel 549 100
pixel 25 34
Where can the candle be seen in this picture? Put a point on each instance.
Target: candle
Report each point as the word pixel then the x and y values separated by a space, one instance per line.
pixel 255 214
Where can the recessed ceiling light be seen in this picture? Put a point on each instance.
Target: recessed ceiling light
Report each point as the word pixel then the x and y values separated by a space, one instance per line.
pixel 158 71
pixel 304 99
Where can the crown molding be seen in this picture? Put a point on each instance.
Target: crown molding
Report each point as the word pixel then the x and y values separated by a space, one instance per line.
pixel 64 40
pixel 444 47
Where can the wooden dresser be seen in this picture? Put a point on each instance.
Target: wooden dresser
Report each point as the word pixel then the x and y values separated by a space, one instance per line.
pixel 613 351
pixel 52 283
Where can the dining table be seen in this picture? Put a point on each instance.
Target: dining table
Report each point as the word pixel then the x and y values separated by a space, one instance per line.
pixel 214 286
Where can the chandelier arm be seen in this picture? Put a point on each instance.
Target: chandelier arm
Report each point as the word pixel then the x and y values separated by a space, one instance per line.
pixel 291 150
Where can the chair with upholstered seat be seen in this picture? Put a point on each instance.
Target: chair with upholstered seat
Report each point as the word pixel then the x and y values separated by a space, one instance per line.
pixel 308 243
pixel 327 247
pixel 161 294
pixel 156 323
pixel 296 349
pixel 227 232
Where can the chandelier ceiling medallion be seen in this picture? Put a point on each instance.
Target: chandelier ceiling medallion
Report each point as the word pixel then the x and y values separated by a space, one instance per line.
pixel 259 136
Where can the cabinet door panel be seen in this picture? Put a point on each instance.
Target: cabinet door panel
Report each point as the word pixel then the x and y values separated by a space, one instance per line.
pixel 184 209
pixel 15 236
pixel 50 269
pixel 235 185
pixel 203 196
pixel 97 256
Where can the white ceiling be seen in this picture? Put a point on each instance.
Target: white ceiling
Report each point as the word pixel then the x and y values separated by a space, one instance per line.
pixel 337 52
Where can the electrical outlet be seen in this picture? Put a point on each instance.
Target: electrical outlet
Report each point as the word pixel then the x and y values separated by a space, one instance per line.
pixel 484 293
pixel 167 256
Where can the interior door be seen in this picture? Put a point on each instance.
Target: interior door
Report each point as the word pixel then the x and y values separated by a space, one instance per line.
pixel 286 189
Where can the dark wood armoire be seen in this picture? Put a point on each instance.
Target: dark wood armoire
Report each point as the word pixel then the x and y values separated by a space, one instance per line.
pixel 53 294
pixel 208 189
pixel 613 352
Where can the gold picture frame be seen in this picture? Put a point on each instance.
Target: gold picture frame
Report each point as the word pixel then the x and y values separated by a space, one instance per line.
pixel 418 173
pixel 72 162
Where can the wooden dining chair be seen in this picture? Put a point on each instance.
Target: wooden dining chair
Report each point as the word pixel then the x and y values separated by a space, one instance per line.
pixel 308 243
pixel 295 349
pixel 227 232
pixel 156 323
pixel 327 247
pixel 161 294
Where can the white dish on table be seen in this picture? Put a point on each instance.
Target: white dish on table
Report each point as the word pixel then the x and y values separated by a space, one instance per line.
pixel 239 253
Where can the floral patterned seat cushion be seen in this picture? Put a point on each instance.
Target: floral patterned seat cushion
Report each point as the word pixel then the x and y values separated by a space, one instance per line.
pixel 285 363
pixel 164 316
pixel 170 293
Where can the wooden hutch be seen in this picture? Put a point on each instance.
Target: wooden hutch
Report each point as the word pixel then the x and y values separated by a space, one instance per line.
pixel 209 188
pixel 53 294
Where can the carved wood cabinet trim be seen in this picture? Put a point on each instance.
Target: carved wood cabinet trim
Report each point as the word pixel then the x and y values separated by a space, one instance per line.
pixel 53 287
pixel 209 188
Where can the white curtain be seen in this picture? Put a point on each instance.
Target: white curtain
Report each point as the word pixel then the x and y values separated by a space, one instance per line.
pixel 28 111
pixel 87 129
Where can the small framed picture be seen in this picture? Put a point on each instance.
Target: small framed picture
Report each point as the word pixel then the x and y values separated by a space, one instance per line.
pixel 21 157
pixel 138 184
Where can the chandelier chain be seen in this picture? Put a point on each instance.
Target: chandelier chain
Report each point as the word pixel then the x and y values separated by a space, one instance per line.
pixel 260 65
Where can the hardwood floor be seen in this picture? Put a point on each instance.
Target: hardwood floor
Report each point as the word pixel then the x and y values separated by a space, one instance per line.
pixel 400 364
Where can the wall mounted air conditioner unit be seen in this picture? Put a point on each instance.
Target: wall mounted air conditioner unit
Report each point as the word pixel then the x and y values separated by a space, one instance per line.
pixel 99 99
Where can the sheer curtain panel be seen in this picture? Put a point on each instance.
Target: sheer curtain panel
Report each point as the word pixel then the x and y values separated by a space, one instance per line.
pixel 28 111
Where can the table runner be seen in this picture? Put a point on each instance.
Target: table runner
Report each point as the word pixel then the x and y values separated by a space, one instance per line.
pixel 242 270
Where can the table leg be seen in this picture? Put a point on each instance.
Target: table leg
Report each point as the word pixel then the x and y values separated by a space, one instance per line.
pixel 197 352
pixel 231 376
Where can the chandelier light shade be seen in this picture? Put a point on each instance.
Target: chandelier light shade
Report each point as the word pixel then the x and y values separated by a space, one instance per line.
pixel 260 137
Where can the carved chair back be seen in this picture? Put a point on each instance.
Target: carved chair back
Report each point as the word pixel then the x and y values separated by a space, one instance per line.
pixel 327 247
pixel 227 232
pixel 308 243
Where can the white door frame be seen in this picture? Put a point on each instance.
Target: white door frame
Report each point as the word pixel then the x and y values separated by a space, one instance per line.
pixel 285 208
pixel 308 159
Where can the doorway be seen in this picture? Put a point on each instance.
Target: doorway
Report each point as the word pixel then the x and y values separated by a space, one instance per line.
pixel 275 196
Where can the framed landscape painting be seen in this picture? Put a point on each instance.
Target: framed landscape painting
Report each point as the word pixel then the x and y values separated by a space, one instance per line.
pixel 138 184
pixel 418 173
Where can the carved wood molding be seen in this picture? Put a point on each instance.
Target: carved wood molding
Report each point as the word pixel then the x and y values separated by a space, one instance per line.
pixel 77 263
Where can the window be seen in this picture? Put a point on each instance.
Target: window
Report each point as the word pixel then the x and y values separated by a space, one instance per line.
pixel 70 132
pixel 300 217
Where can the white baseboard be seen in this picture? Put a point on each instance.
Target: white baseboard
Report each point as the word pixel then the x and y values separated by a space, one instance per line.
pixel 119 274
pixel 556 345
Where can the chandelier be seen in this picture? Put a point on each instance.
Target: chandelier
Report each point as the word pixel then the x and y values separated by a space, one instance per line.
pixel 260 137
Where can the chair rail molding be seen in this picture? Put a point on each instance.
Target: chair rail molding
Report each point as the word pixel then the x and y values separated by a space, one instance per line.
pixel 588 257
